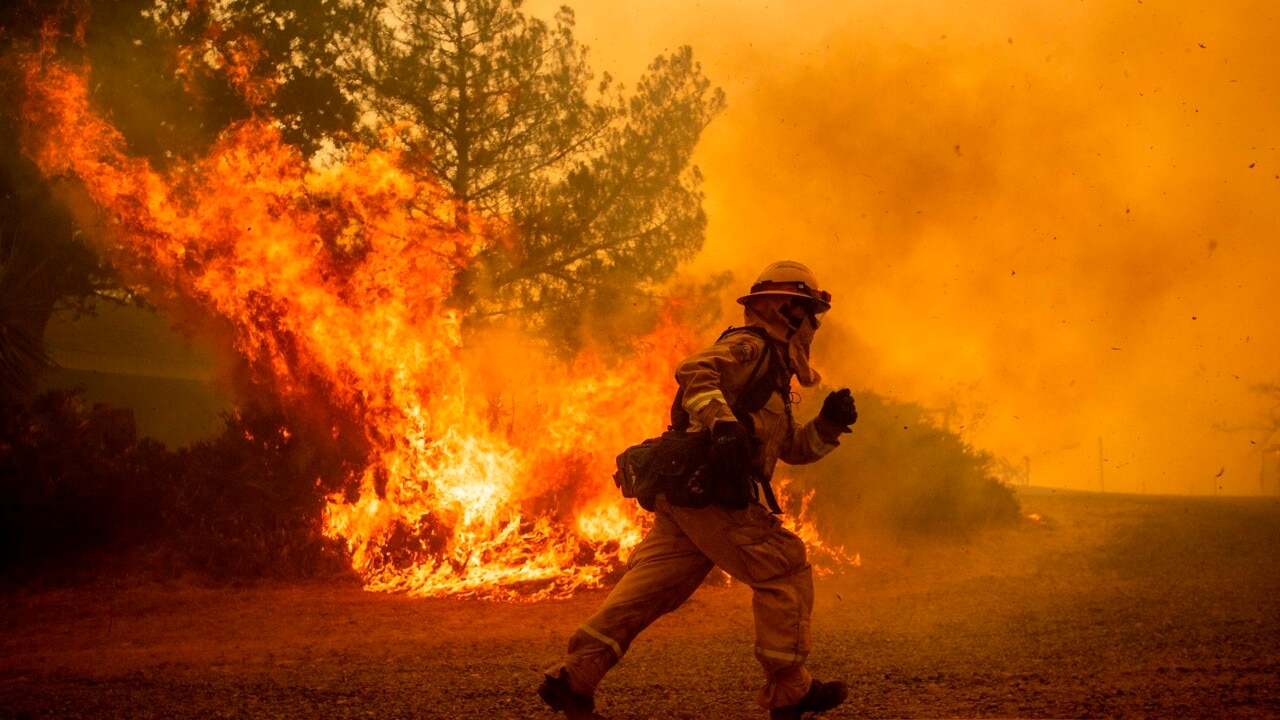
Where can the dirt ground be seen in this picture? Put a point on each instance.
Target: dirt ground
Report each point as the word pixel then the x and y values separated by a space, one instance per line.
pixel 1111 606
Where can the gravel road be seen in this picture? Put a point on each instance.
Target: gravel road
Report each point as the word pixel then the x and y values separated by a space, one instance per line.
pixel 1107 606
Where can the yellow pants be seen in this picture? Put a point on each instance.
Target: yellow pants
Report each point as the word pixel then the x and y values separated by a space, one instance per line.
pixel 668 565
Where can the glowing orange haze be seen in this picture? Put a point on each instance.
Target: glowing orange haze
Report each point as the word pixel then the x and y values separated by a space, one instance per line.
pixel 1063 216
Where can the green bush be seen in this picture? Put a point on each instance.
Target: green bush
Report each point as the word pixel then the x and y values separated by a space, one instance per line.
pixel 61 470
pixel 902 474
pixel 77 483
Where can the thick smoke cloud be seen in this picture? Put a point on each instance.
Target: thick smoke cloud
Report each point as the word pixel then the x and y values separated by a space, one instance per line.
pixel 1058 219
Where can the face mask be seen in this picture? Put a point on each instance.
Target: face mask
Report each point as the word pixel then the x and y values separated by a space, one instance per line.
pixel 793 312
pixel 796 311
pixel 798 349
pixel 790 323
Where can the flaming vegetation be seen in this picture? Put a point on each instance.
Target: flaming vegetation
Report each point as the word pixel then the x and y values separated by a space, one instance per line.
pixel 250 234
pixel 335 281
pixel 500 109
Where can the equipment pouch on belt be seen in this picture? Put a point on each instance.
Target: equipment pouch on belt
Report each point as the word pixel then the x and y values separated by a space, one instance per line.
pixel 673 464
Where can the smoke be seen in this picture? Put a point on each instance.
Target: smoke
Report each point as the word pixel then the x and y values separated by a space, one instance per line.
pixel 1058 219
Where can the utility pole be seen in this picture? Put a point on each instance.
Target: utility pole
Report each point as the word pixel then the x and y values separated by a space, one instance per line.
pixel 1101 484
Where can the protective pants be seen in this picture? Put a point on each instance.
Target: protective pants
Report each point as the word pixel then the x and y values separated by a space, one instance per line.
pixel 668 565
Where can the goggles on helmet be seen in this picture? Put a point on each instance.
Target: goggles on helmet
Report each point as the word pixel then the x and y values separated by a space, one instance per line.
pixel 768 287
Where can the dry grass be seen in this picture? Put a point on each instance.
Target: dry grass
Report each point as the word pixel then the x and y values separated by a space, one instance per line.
pixel 1113 606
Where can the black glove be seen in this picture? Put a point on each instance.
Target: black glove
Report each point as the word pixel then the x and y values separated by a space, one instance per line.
pixel 732 482
pixel 731 448
pixel 839 409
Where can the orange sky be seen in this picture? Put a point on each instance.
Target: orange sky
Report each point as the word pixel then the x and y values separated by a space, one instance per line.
pixel 1063 215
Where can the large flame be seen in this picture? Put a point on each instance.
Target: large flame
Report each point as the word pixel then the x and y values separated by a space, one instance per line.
pixel 334 280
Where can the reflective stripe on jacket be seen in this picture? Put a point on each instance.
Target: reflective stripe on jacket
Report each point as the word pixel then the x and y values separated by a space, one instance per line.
pixel 712 381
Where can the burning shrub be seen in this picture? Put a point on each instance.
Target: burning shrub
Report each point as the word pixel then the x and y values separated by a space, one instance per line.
pixel 901 473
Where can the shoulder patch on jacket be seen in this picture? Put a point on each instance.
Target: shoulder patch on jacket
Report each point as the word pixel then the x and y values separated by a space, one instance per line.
pixel 745 351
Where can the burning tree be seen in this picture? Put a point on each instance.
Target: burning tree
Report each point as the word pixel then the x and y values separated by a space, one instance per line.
pixel 502 109
pixel 596 188
pixel 335 276
pixel 44 265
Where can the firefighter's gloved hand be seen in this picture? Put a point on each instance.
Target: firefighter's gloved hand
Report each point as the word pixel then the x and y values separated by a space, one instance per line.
pixel 731 448
pixel 839 409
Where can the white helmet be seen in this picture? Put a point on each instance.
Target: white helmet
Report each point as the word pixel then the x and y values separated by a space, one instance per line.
pixel 789 278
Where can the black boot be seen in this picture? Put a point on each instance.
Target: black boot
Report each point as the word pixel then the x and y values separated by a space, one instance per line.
pixel 556 693
pixel 822 696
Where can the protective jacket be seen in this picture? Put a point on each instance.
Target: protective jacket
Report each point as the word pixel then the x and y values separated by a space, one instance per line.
pixel 746 371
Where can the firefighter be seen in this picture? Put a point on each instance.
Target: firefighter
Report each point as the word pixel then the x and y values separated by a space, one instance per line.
pixel 739 388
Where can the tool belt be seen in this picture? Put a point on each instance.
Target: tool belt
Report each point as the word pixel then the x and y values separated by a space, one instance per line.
pixel 673 464
pixel 682 466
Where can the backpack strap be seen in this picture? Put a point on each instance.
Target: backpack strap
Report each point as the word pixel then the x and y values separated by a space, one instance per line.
pixel 680 417
pixel 752 397
pixel 752 391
